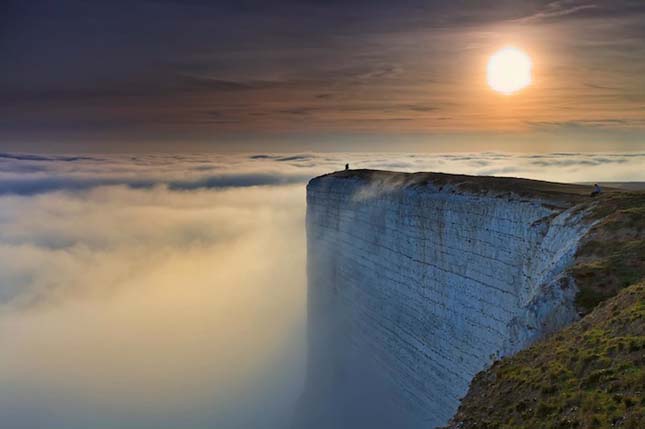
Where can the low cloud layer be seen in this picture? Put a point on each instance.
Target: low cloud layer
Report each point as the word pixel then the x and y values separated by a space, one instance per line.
pixel 164 291
pixel 151 308
pixel 27 174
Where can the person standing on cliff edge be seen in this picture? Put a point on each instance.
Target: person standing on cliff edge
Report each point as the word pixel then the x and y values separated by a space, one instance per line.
pixel 346 167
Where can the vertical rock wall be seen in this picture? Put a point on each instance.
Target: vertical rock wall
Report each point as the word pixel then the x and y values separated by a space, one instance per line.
pixel 413 289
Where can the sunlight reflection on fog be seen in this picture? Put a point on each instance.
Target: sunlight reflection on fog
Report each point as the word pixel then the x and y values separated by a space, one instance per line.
pixel 151 307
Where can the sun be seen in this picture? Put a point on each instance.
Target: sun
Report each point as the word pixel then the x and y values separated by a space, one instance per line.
pixel 509 70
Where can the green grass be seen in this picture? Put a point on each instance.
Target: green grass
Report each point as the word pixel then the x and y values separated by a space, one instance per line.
pixel 619 264
pixel 591 374
pixel 613 255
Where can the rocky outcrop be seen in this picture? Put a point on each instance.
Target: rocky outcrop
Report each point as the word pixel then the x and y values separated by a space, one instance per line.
pixel 418 282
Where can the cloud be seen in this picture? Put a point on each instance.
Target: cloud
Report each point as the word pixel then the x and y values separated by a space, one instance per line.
pixel 35 174
pixel 28 174
pixel 262 156
pixel 294 158
pixel 561 9
pixel 32 157
pixel 260 68
pixel 201 82
pixel 151 307
pixel 582 124
pixel 237 181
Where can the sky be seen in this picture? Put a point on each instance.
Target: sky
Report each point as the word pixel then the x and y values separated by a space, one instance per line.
pixel 158 291
pixel 354 75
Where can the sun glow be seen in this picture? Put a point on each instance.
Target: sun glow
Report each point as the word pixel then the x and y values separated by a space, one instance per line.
pixel 509 70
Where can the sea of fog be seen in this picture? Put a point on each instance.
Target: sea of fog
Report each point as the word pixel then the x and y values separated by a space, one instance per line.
pixel 164 291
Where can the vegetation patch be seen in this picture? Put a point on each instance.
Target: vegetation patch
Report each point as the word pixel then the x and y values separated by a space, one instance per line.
pixel 590 375
pixel 612 256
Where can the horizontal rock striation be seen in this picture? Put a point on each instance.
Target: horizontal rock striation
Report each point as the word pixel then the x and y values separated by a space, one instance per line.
pixel 418 282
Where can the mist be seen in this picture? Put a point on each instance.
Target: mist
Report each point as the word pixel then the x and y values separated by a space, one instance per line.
pixel 151 308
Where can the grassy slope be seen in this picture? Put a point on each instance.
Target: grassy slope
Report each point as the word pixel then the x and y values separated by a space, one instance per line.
pixel 613 254
pixel 591 374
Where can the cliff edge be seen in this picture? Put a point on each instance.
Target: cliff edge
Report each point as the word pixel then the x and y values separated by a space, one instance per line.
pixel 417 282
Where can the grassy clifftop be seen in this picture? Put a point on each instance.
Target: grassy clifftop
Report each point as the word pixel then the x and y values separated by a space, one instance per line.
pixel 560 194
pixel 592 374
pixel 612 256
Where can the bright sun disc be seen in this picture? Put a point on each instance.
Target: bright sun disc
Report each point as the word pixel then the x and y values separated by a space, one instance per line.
pixel 509 70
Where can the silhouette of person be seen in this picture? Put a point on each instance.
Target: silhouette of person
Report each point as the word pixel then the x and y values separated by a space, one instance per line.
pixel 346 166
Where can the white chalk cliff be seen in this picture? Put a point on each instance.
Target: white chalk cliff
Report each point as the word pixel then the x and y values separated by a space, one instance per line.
pixel 419 281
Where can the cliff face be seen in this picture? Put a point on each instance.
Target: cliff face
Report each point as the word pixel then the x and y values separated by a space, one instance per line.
pixel 418 282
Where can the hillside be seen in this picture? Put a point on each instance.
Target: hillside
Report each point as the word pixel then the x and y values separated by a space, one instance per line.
pixel 589 375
